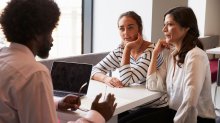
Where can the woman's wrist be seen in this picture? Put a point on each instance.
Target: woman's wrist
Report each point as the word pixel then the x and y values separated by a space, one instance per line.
pixel 104 79
pixel 127 49
pixel 155 53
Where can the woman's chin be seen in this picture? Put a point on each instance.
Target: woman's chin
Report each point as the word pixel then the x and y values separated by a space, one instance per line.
pixel 128 40
pixel 168 40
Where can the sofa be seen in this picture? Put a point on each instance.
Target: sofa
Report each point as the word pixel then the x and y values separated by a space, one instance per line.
pixel 90 58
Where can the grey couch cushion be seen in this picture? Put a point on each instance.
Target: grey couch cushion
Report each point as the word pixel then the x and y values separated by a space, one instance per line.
pixel 90 58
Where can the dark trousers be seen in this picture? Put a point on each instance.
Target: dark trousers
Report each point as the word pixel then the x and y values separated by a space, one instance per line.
pixel 145 115
pixel 153 115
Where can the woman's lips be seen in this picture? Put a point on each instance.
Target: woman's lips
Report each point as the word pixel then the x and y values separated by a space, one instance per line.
pixel 167 36
pixel 128 39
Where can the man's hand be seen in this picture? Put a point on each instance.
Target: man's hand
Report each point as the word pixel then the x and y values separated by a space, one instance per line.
pixel 106 108
pixel 70 101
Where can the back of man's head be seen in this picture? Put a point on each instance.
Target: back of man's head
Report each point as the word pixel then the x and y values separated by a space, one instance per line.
pixel 22 20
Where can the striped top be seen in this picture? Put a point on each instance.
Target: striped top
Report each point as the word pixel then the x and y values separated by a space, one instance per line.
pixel 135 72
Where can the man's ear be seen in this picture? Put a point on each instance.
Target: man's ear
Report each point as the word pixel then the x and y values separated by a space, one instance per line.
pixel 37 38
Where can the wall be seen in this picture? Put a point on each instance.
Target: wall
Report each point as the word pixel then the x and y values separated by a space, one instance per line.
pixel 212 21
pixel 159 8
pixel 105 17
pixel 199 8
pixel 207 13
pixel 106 13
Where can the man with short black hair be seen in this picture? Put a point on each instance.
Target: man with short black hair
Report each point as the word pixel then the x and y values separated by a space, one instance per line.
pixel 26 92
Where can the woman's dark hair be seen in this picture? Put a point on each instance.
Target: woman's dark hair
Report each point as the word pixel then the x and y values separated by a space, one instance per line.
pixel 134 16
pixel 22 20
pixel 186 18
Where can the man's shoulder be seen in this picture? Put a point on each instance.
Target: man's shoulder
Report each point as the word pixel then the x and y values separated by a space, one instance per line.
pixel 36 66
pixel 29 67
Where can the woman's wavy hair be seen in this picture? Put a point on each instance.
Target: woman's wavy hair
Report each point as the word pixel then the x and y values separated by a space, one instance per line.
pixel 186 18
pixel 22 20
pixel 134 16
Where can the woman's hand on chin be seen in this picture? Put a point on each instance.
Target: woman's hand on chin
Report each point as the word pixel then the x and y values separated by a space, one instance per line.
pixel 161 44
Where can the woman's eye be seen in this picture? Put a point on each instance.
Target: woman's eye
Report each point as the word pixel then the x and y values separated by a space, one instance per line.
pixel 130 28
pixel 170 24
pixel 121 29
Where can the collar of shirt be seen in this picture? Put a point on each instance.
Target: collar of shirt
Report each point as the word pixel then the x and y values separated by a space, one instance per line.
pixel 22 48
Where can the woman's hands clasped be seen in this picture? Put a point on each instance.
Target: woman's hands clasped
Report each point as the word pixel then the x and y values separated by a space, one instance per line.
pixel 113 82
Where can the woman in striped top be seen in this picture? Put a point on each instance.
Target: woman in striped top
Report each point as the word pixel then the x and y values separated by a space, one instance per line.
pixel 132 57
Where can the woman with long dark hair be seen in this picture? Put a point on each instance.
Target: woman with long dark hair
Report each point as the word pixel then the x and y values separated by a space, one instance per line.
pixel 185 72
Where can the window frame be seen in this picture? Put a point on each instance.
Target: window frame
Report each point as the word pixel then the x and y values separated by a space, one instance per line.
pixel 87 26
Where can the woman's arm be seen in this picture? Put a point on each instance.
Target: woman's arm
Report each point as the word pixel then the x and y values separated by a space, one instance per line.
pixel 136 72
pixel 126 56
pixel 128 46
pixel 111 81
pixel 153 64
pixel 156 76
pixel 195 69
pixel 109 63
pixel 161 44
pixel 156 81
pixel 99 77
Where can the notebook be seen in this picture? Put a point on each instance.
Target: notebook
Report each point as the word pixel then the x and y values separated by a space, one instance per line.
pixel 69 77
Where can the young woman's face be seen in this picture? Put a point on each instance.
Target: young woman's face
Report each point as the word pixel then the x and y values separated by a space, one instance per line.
pixel 173 32
pixel 128 29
